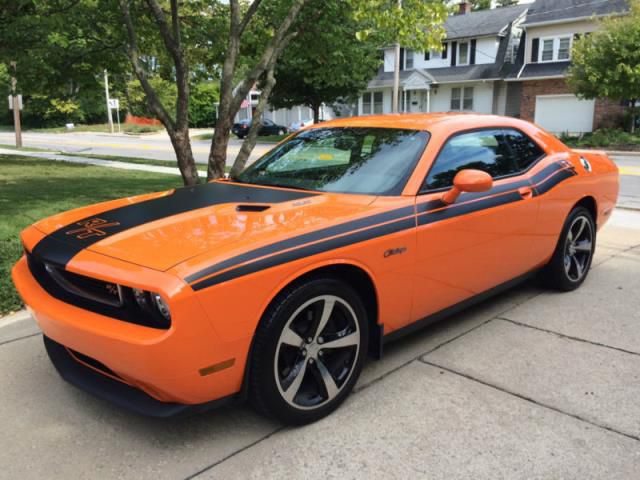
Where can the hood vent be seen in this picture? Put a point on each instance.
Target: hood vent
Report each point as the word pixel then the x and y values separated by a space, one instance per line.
pixel 252 208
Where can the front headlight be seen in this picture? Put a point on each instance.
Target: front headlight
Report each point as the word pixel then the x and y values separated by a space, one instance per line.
pixel 153 304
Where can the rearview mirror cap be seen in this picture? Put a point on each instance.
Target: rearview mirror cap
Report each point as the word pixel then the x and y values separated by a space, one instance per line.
pixel 468 181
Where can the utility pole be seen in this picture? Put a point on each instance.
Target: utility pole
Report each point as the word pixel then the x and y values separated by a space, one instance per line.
pixel 396 74
pixel 106 93
pixel 16 105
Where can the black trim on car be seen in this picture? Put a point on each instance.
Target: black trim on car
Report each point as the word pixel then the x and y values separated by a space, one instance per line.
pixel 118 392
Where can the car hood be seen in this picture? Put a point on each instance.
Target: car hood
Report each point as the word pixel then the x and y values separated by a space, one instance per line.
pixel 162 230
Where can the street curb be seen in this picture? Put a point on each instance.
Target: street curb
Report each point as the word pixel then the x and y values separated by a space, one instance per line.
pixel 14 318
pixel 616 153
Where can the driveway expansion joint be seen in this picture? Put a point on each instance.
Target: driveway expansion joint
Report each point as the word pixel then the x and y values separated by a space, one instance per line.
pixel 568 337
pixel 24 337
pixel 529 399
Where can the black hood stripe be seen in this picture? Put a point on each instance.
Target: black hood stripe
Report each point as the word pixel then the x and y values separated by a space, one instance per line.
pixel 427 213
pixel 62 245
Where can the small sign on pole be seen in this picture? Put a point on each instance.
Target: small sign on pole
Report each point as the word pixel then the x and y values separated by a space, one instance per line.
pixel 10 98
pixel 114 103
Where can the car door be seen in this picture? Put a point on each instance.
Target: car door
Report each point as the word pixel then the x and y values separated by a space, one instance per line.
pixel 483 239
pixel 267 127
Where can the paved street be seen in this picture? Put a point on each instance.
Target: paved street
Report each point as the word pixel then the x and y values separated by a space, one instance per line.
pixel 531 384
pixel 155 146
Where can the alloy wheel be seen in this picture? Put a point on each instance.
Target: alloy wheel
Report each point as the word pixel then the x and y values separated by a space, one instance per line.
pixel 317 352
pixel 578 248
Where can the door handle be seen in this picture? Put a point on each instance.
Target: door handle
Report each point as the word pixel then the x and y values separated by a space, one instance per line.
pixel 526 192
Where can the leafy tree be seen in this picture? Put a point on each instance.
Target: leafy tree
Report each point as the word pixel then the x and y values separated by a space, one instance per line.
pixel 506 3
pixel 606 63
pixel 481 4
pixel 325 63
pixel 202 107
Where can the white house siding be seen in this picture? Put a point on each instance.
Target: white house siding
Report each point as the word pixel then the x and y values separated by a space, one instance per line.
pixel 482 97
pixel 566 28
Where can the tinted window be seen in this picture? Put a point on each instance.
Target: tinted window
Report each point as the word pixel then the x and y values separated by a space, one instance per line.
pixel 485 150
pixel 376 161
pixel 499 152
pixel 524 150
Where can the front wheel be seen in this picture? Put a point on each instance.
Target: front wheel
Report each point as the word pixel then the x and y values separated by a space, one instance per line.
pixel 572 258
pixel 281 132
pixel 308 351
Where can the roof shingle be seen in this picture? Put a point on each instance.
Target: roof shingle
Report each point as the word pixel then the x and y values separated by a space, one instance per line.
pixel 482 22
pixel 543 11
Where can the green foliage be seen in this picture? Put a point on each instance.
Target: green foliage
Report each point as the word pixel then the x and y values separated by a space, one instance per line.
pixel 481 4
pixel 607 62
pixel 325 63
pixel 604 138
pixel 136 98
pixel 202 105
pixel 506 3
pixel 418 24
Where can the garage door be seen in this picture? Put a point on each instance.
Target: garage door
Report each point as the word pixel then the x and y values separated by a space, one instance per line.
pixel 564 113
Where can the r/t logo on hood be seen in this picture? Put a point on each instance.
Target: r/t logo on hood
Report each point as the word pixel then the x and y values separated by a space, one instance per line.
pixel 92 228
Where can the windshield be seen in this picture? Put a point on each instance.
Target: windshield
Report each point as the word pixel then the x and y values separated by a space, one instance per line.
pixel 374 161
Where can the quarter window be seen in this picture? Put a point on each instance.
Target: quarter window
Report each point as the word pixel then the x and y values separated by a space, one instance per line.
pixel 499 152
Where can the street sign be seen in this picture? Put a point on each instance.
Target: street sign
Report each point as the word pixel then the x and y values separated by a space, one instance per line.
pixel 10 98
pixel 114 103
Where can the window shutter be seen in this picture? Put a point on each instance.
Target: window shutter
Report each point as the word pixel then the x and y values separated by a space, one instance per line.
pixel 445 47
pixel 454 48
pixel 402 59
pixel 472 58
pixel 535 50
pixel 427 55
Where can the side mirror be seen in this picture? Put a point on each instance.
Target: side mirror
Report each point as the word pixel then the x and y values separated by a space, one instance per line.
pixel 468 181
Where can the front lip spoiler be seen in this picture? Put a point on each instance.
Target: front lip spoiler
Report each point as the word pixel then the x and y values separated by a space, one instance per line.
pixel 119 393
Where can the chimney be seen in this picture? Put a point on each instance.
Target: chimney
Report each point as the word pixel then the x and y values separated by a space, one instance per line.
pixel 464 7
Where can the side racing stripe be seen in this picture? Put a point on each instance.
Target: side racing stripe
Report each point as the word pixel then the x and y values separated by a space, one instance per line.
pixel 370 228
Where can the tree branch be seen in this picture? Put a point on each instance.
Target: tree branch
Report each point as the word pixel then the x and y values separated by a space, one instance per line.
pixel 248 16
pixel 168 39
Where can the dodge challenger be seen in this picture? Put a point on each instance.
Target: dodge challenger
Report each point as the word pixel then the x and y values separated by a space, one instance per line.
pixel 275 286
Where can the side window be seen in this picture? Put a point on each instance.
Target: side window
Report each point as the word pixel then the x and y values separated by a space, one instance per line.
pixel 484 150
pixel 525 151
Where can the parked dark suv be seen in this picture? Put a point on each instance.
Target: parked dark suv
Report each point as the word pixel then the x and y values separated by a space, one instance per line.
pixel 241 129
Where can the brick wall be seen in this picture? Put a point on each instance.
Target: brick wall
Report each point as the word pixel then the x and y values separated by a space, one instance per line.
pixel 607 113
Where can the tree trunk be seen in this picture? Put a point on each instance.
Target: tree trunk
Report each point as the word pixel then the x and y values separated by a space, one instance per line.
pixel 316 112
pixel 231 98
pixel 184 155
pixel 250 142
pixel 633 116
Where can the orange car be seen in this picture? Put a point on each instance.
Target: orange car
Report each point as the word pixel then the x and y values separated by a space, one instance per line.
pixel 275 285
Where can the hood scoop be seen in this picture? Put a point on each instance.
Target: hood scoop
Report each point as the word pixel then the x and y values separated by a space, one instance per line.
pixel 252 208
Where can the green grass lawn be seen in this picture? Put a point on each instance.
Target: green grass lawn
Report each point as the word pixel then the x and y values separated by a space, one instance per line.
pixel 31 189
pixel 25 149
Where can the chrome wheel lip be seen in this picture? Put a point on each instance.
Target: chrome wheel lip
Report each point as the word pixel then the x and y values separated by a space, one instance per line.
pixel 578 249
pixel 313 353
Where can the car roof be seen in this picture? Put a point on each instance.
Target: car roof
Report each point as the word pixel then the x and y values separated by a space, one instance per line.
pixel 450 121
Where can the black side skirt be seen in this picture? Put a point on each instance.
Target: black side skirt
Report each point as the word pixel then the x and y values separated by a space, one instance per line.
pixel 116 392
pixel 447 312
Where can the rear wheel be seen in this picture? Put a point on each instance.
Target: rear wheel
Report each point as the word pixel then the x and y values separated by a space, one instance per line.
pixel 308 351
pixel 280 132
pixel 572 258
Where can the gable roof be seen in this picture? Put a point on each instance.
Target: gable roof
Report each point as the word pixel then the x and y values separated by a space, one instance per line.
pixel 545 11
pixel 482 22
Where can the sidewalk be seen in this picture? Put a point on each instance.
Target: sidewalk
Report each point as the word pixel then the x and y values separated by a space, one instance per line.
pixel 99 162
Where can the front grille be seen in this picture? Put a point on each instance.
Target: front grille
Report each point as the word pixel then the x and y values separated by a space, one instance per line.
pixel 98 296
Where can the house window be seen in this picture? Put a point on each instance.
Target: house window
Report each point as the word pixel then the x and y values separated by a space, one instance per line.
pixel 467 101
pixel 408 60
pixel 463 53
pixel 372 102
pixel 555 49
pixel 461 99
pixel 564 48
pixel 547 50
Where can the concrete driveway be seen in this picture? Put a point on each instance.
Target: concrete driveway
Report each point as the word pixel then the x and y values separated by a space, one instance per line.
pixel 531 384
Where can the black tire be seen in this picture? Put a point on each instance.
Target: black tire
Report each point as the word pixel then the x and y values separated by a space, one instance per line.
pixel 572 252
pixel 240 136
pixel 275 364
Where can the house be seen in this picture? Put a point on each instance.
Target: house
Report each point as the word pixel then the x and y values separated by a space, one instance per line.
pixel 466 75
pixel 550 28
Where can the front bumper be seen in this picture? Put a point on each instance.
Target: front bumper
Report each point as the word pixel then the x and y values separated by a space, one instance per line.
pixel 107 387
pixel 164 365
